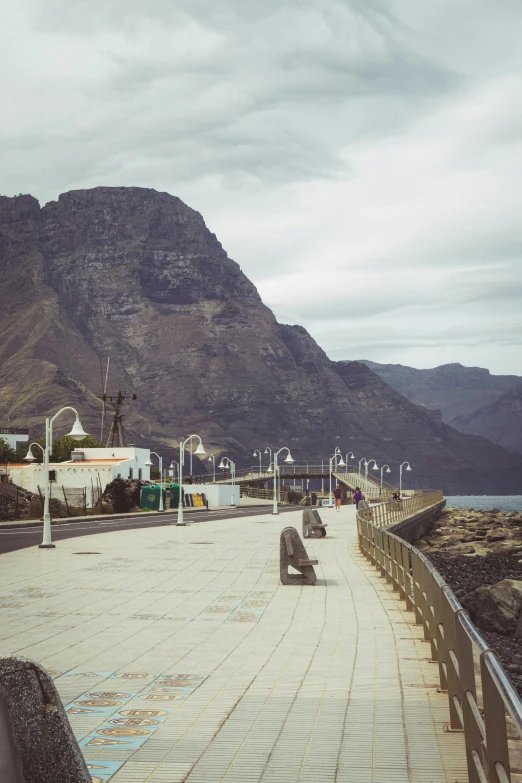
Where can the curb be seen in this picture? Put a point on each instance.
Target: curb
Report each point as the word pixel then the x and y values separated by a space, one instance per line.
pixel 69 520
pixel 13 525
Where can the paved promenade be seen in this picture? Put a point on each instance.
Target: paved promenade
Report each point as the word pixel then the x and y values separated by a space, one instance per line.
pixel 181 657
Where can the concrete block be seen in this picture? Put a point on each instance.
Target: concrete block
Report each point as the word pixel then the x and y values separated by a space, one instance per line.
pixel 292 553
pixel 37 743
pixel 313 526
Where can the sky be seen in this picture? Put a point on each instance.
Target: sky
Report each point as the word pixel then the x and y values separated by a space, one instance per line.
pixel 360 159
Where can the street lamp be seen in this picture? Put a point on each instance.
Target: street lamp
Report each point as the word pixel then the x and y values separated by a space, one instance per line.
pixel 350 455
pixel 268 450
pixel 367 465
pixel 149 464
pixel 212 459
pixel 256 452
pixel 322 474
pixel 360 463
pixel 289 460
pixel 76 433
pixel 333 461
pixel 173 467
pixel 29 457
pixel 199 450
pixel 232 466
pixel 400 476
pixel 387 471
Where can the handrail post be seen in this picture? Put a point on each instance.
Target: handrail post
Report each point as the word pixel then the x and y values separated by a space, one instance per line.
pixel 495 720
pixel 472 734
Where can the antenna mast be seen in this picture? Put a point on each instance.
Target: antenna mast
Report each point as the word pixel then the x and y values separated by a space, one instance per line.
pixel 117 432
pixel 103 395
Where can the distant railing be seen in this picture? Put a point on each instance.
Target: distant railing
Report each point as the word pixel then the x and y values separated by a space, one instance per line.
pixel 480 694
pixel 14 431
pixel 386 514
pixel 264 494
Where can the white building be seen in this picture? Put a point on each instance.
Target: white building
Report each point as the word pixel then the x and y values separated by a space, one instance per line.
pixel 216 494
pixel 89 470
pixel 14 436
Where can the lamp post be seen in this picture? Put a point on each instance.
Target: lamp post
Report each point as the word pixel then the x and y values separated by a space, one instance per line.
pixel 29 457
pixel 212 459
pixel 341 464
pixel 76 433
pixel 232 466
pixel 387 471
pixel 268 450
pixel 199 450
pixel 400 476
pixel 256 452
pixel 350 455
pixel 360 463
pixel 173 467
pixel 289 460
pixel 149 464
pixel 367 465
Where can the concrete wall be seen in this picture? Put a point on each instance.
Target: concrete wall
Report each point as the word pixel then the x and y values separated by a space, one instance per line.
pixel 217 494
pixel 68 475
pixel 78 474
pixel 415 527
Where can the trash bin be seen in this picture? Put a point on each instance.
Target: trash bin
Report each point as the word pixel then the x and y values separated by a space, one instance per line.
pixel 314 499
pixel 150 497
pixel 173 500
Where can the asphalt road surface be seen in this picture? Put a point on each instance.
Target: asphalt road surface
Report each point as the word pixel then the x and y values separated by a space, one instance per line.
pixel 15 538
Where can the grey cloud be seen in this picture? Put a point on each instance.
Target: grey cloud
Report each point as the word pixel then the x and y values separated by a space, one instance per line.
pixel 375 137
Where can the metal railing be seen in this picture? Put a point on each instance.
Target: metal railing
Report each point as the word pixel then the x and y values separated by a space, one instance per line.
pixel 254 492
pixel 386 514
pixel 482 701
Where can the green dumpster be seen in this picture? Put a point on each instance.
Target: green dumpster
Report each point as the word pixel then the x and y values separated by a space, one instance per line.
pixel 172 495
pixel 150 496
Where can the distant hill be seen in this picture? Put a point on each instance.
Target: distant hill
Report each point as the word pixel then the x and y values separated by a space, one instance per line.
pixel 137 275
pixel 500 421
pixel 471 399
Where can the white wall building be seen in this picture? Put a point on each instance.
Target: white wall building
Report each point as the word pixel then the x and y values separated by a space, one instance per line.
pixel 89 469
pixel 14 435
pixel 216 494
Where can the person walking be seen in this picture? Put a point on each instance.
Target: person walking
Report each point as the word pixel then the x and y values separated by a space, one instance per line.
pixel 338 497
pixel 357 497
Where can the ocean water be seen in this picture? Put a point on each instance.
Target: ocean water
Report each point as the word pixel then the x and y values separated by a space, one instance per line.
pixel 485 502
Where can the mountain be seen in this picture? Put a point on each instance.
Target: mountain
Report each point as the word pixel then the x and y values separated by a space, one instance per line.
pixel 500 421
pixel 137 275
pixel 466 396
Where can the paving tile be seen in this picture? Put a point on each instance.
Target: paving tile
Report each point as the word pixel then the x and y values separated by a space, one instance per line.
pixel 189 663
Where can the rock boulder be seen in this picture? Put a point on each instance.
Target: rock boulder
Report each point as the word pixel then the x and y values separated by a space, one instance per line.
pixel 497 607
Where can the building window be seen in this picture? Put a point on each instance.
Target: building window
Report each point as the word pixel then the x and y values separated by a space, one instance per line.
pixel 131 473
pixel 140 473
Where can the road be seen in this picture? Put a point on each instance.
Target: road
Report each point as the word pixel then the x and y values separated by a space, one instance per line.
pixel 13 539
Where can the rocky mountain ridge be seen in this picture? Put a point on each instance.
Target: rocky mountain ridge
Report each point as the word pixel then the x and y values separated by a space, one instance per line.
pixel 137 275
pixel 471 399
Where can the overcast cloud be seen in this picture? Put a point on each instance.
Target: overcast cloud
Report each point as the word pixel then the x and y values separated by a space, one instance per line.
pixel 360 159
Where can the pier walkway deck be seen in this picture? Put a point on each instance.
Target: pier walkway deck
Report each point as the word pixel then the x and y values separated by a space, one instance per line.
pixel 182 658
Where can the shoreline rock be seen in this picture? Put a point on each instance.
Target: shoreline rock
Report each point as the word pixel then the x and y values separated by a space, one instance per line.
pixel 479 554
